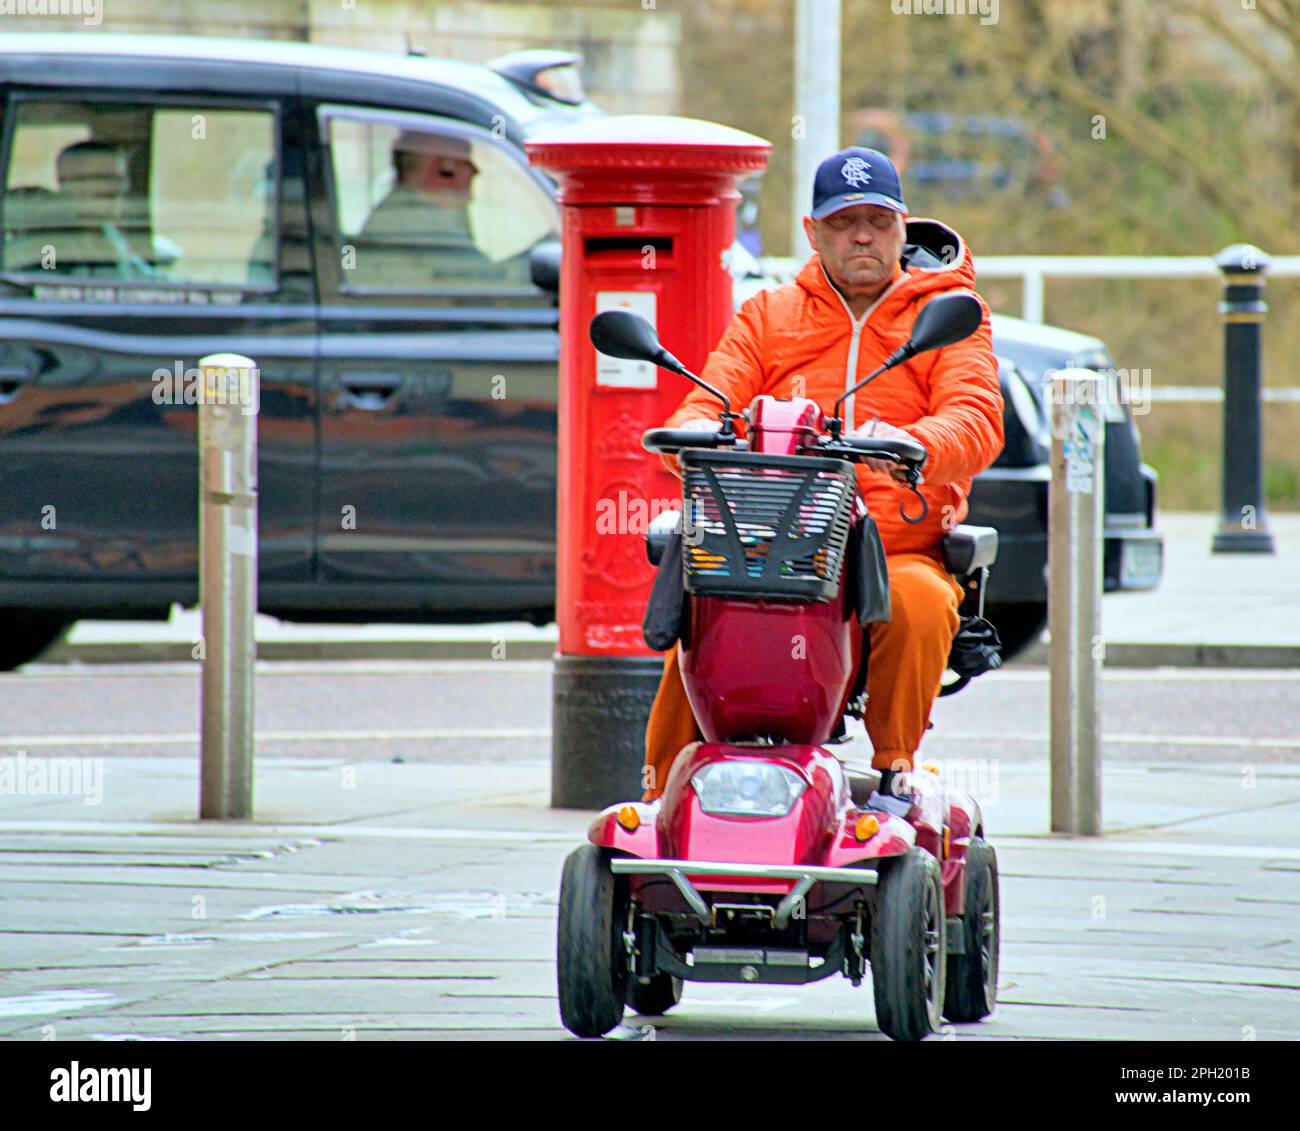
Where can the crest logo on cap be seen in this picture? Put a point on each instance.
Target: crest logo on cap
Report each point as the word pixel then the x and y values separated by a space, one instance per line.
pixel 855 171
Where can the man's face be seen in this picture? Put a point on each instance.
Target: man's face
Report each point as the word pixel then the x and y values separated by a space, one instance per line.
pixel 450 175
pixel 444 180
pixel 859 246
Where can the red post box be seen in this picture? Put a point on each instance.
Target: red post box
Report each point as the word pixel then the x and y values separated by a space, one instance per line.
pixel 649 218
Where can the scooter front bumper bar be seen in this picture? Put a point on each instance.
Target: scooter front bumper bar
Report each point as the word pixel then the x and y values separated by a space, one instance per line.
pixel 804 875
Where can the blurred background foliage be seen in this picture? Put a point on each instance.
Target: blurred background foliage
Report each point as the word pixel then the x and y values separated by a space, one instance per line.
pixel 1072 127
pixel 1069 127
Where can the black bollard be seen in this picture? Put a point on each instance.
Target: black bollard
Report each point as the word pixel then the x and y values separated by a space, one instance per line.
pixel 1243 527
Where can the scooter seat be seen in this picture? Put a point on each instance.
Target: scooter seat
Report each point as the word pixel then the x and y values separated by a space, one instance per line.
pixel 969 548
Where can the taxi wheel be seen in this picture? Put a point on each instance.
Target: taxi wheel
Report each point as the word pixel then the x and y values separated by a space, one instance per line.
pixel 25 634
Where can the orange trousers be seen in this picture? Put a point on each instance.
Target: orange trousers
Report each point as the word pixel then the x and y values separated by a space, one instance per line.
pixel 905 668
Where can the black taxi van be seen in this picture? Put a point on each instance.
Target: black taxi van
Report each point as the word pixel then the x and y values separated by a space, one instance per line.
pixel 367 228
pixel 164 198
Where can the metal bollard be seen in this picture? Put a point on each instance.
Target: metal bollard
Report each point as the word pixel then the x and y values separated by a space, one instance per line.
pixel 1075 541
pixel 1242 525
pixel 227 581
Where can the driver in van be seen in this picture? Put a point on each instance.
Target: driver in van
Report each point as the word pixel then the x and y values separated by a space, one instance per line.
pixel 427 209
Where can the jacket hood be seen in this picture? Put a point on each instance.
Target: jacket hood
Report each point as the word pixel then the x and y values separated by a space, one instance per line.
pixel 935 258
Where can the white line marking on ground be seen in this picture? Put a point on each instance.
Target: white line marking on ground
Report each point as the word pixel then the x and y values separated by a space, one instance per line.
pixel 44 740
pixel 1248 741
pixel 33 741
pixel 1121 843
pixel 52 1001
pixel 1146 847
pixel 1172 674
pixel 320 832
pixel 276 667
pixel 1169 674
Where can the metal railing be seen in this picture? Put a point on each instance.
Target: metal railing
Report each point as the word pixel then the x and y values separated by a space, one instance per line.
pixel 1034 270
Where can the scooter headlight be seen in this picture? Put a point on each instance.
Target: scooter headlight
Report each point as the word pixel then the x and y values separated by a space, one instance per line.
pixel 747 789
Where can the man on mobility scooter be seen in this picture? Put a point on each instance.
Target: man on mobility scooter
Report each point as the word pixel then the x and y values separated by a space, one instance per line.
pixel 757 855
pixel 853 303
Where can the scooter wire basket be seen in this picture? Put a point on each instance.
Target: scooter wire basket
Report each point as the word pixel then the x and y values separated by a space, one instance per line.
pixel 765 526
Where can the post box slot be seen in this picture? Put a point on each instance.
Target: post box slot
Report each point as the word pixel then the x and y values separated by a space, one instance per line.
pixel 628 247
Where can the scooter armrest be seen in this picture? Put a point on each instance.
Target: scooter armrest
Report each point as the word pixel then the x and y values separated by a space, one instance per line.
pixel 969 548
pixel 662 529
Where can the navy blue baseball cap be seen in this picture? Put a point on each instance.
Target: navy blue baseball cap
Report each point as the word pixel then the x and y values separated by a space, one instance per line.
pixel 856 176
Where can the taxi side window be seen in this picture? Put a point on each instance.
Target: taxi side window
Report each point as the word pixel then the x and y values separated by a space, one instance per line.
pixel 426 210
pixel 131 191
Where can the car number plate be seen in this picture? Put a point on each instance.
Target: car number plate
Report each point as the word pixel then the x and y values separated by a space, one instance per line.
pixel 1139 564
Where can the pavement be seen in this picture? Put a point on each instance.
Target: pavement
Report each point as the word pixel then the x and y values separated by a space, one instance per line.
pixel 399 879
pixel 1211 610
pixel 394 898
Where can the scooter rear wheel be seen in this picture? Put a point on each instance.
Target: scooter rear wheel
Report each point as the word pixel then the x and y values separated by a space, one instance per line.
pixel 973 976
pixel 591 958
pixel 909 951
pixel 657 996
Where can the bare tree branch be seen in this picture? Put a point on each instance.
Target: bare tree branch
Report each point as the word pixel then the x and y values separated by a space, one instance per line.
pixel 1286 77
pixel 1288 24
pixel 1055 71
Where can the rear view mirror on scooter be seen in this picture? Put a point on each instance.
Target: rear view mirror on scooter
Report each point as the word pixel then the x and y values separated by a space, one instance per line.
pixel 943 320
pixel 620 333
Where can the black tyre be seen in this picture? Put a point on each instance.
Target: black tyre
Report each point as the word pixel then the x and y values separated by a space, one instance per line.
pixel 1018 625
pixel 591 959
pixel 655 997
pixel 909 950
pixel 973 976
pixel 25 634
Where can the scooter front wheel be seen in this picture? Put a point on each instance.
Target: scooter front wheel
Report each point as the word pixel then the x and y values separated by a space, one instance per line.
pixel 591 958
pixel 909 951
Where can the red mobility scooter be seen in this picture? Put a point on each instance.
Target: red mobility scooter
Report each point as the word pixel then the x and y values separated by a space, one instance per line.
pixel 766 860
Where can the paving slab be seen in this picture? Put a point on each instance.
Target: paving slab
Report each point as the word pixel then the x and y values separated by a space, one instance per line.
pixel 417 900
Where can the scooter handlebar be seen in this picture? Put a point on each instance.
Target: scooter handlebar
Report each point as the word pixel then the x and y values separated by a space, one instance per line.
pixel 907 452
pixel 669 440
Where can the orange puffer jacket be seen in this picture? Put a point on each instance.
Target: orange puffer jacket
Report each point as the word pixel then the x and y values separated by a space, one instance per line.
pixel 800 340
